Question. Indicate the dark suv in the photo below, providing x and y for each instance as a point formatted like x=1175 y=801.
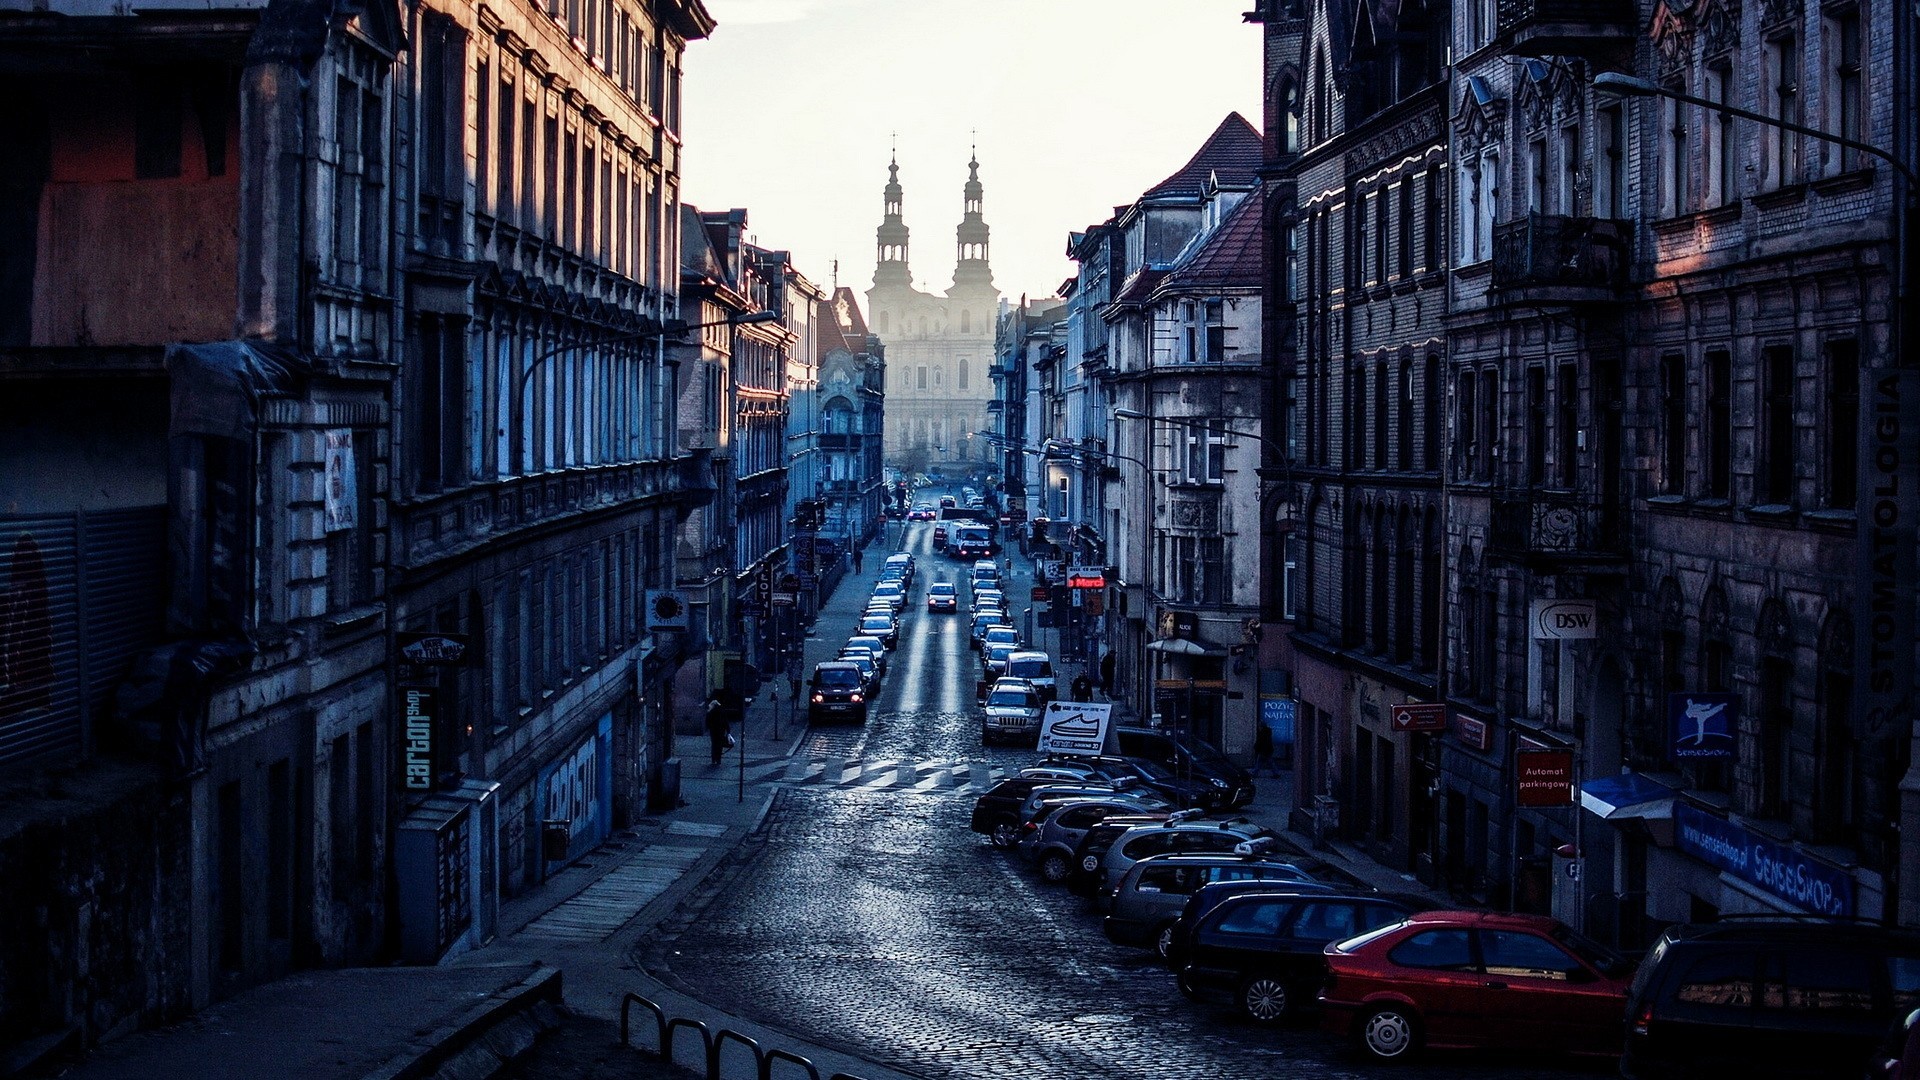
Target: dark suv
x=839 y=689
x=1768 y=997
x=1225 y=785
x=1261 y=950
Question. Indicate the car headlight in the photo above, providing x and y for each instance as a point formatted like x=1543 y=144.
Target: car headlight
x=818 y=698
x=1217 y=782
x=857 y=699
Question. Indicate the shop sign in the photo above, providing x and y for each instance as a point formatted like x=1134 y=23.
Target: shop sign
x=1774 y=868
x=417 y=738
x=1564 y=620
x=1418 y=716
x=1702 y=723
x=1072 y=727
x=1543 y=777
x=1884 y=586
x=1086 y=577
x=342 y=481
x=1471 y=731
x=432 y=650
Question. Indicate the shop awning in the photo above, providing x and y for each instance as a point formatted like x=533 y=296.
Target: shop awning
x=1631 y=797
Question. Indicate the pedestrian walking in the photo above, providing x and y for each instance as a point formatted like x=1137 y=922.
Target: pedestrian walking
x=1263 y=750
x=1106 y=675
x=1082 y=687
x=856 y=560
x=719 y=726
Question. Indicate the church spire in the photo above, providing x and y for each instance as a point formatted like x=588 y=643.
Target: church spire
x=971 y=272
x=890 y=263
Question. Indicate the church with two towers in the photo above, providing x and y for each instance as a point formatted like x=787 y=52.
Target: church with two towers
x=938 y=346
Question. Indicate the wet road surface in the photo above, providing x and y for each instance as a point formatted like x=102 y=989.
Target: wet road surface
x=872 y=919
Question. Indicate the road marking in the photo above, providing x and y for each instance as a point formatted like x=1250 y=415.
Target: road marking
x=603 y=907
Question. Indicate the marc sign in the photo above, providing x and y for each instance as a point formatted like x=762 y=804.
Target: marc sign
x=1774 y=868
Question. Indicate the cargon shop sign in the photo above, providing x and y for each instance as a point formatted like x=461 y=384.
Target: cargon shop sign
x=1773 y=868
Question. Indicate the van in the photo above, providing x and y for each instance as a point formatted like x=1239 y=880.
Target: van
x=1768 y=996
x=838 y=689
x=970 y=541
x=1037 y=668
x=1183 y=755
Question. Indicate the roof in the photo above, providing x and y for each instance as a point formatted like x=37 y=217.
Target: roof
x=1232 y=153
x=1231 y=256
x=1139 y=287
x=844 y=327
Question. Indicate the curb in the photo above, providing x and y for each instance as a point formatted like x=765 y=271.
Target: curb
x=451 y=1040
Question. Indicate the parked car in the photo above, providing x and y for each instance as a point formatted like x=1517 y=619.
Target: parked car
x=1052 y=843
x=1037 y=668
x=873 y=645
x=985 y=570
x=881 y=626
x=1187 y=756
x=1150 y=896
x=869 y=671
x=1463 y=979
x=983 y=621
x=994 y=662
x=901 y=560
x=1768 y=997
x=892 y=592
x=1263 y=951
x=837 y=690
x=997 y=812
x=948 y=500
x=1092 y=789
x=999 y=635
x=1186 y=832
x=943 y=596
x=1900 y=1056
x=1084 y=877
x=1011 y=712
x=986 y=598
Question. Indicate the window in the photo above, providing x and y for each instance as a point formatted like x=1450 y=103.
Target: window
x=1566 y=399
x=1490 y=432
x=157 y=128
x=963 y=368
x=1357 y=426
x=1430 y=254
x=1721 y=152
x=1848 y=104
x=1536 y=426
x=1537 y=176
x=1216 y=331
x=1404 y=441
x=1466 y=420
x=1776 y=737
x=1843 y=423
x=1677 y=174
x=1721 y=979
x=1773 y=475
x=1430 y=437
x=1783 y=74
x=1254 y=918
x=1569 y=170
x=1470 y=210
x=923 y=376
x=1610 y=173
x=1381 y=206
x=1290 y=267
x=1673 y=441
x=1291 y=557
x=1326 y=922
x=1214 y=588
x=1435 y=950
x=1380 y=414
x=1490 y=203
x=1360 y=270
x=1719 y=424
x=1506 y=952
x=1290 y=117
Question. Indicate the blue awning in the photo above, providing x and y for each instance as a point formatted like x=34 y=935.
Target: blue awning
x=1628 y=797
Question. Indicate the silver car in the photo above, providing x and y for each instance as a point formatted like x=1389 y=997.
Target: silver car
x=1188 y=834
x=1011 y=712
x=1149 y=899
x=1051 y=845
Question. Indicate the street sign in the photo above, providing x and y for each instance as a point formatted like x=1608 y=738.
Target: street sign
x=1419 y=716
x=1564 y=620
x=1039 y=593
x=1544 y=777
x=1086 y=577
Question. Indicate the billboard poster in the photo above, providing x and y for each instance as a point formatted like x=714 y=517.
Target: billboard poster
x=1075 y=727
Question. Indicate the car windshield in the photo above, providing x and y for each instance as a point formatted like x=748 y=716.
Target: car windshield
x=999 y=634
x=845 y=676
x=1206 y=754
x=887 y=588
x=941 y=588
x=998 y=652
x=876 y=622
x=1031 y=669
x=1010 y=698
x=871 y=644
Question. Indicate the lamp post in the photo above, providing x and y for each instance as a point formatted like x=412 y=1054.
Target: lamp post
x=665 y=330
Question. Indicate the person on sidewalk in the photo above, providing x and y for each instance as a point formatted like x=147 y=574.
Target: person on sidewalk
x=856 y=560
x=1263 y=750
x=720 y=717
x=1082 y=687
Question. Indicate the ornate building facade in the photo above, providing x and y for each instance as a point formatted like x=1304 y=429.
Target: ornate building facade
x=939 y=347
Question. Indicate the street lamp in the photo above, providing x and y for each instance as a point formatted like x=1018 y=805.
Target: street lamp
x=668 y=329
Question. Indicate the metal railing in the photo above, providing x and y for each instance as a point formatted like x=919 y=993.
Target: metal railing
x=711 y=1042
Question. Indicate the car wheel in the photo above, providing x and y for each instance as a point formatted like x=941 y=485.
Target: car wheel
x=1005 y=833
x=1163 y=941
x=1389 y=1034
x=1264 y=999
x=1055 y=867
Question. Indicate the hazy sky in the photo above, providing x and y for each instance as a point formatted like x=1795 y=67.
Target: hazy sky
x=1080 y=105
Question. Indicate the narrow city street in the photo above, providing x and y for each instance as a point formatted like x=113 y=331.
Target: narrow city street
x=872 y=919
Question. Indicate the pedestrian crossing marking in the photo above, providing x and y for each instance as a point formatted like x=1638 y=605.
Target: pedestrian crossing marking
x=900 y=774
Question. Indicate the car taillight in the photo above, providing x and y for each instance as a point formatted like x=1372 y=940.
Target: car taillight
x=1643 y=1021
x=1028 y=826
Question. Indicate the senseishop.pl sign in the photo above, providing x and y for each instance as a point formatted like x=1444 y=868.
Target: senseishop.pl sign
x=1773 y=868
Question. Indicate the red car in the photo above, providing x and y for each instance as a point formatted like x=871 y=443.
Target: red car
x=1456 y=979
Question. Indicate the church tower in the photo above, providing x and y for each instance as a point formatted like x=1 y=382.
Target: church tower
x=890 y=263
x=971 y=274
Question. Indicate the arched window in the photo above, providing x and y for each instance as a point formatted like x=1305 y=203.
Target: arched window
x=966 y=321
x=1289 y=115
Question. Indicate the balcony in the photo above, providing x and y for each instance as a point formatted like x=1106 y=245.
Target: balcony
x=1563 y=27
x=1548 y=259
x=840 y=440
x=1556 y=531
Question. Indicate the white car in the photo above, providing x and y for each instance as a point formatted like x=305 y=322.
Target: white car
x=943 y=596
